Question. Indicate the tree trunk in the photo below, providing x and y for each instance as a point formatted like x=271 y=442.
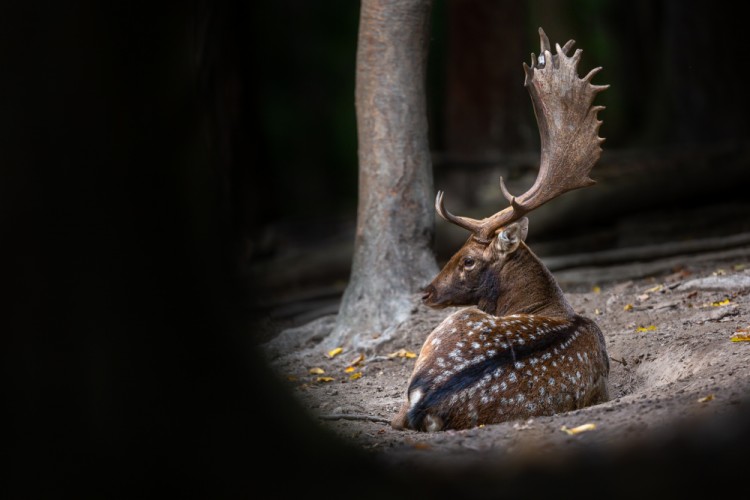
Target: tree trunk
x=393 y=255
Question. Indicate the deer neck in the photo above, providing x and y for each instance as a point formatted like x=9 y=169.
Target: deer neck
x=524 y=285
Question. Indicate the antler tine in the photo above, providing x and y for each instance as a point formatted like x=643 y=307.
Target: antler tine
x=543 y=41
x=465 y=222
x=511 y=199
x=568 y=45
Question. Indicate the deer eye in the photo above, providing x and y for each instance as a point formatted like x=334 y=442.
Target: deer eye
x=469 y=262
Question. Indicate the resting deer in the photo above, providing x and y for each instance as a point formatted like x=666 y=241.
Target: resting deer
x=522 y=351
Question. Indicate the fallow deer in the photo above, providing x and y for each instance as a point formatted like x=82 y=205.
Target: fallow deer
x=522 y=351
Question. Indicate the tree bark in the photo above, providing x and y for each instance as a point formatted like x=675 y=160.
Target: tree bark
x=393 y=255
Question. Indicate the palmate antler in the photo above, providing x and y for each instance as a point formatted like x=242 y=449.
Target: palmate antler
x=569 y=131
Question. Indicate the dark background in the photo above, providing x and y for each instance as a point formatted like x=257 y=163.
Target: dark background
x=150 y=153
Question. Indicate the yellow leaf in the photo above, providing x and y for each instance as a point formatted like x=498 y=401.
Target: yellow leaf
x=357 y=360
x=578 y=430
x=628 y=307
x=655 y=288
x=317 y=371
x=645 y=328
x=740 y=336
x=349 y=369
x=739 y=267
x=706 y=399
x=335 y=352
x=719 y=272
x=324 y=379
x=597 y=312
x=721 y=303
x=402 y=353
x=596 y=289
x=355 y=376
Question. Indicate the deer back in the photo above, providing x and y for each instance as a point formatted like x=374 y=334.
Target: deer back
x=476 y=368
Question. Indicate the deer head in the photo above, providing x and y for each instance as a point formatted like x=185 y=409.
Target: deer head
x=568 y=128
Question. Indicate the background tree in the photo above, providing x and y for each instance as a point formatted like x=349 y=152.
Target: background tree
x=393 y=255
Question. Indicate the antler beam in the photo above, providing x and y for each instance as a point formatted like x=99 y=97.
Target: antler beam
x=569 y=133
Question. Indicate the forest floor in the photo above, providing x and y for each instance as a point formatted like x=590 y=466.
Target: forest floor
x=673 y=363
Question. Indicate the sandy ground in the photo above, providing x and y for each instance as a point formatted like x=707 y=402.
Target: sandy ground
x=673 y=363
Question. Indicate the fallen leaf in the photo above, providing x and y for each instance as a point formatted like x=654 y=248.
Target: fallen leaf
x=719 y=272
x=645 y=328
x=324 y=379
x=597 y=312
x=335 y=352
x=739 y=267
x=642 y=297
x=721 y=303
x=317 y=371
x=578 y=430
x=402 y=353
x=656 y=288
x=422 y=446
x=706 y=399
x=628 y=307
x=741 y=336
x=349 y=369
x=355 y=376
x=291 y=378
x=357 y=360
x=596 y=289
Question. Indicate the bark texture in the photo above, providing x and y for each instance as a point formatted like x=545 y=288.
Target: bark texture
x=393 y=257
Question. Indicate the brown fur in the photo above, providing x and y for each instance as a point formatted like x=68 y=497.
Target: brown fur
x=522 y=352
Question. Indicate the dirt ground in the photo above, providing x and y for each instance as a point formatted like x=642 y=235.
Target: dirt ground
x=673 y=363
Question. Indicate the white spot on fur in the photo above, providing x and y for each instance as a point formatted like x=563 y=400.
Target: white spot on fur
x=519 y=365
x=475 y=345
x=512 y=377
x=414 y=397
x=551 y=381
x=433 y=423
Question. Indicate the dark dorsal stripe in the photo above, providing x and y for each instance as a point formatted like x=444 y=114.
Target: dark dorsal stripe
x=433 y=396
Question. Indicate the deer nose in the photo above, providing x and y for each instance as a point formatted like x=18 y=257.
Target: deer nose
x=427 y=293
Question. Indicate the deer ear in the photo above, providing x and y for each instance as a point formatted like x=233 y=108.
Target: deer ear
x=511 y=236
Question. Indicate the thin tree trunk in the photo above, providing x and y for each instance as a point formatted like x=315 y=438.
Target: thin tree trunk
x=393 y=255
